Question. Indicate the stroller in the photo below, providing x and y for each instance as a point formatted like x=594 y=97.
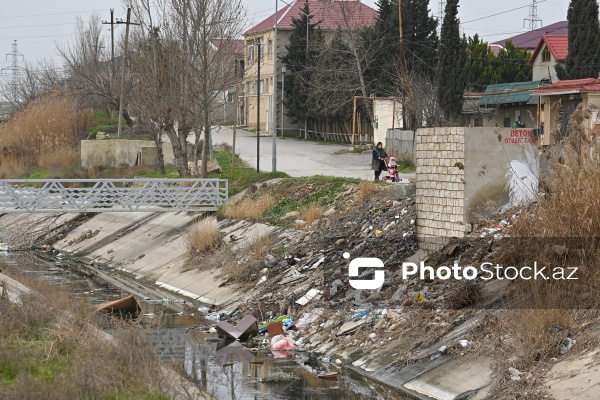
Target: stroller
x=392 y=169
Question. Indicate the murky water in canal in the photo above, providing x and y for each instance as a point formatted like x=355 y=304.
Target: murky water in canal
x=224 y=371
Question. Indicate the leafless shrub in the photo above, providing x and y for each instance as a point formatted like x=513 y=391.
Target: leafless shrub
x=204 y=236
x=250 y=208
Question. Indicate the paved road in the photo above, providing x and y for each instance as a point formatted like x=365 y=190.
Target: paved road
x=299 y=157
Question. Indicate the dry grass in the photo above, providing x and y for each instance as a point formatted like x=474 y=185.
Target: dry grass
x=250 y=208
x=261 y=246
x=310 y=214
x=366 y=191
x=203 y=237
x=43 y=135
x=51 y=348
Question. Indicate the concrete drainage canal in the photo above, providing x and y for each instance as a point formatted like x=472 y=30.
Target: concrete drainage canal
x=180 y=336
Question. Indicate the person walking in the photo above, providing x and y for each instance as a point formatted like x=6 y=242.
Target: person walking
x=378 y=162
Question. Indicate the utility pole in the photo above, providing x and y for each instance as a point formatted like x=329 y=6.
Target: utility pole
x=112 y=33
x=123 y=68
x=275 y=66
x=402 y=64
x=237 y=108
x=258 y=112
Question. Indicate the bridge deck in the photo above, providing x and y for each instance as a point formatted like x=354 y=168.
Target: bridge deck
x=111 y=195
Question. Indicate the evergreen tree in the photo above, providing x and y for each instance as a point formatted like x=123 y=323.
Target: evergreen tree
x=300 y=56
x=484 y=68
x=451 y=76
x=512 y=64
x=420 y=44
x=480 y=65
x=419 y=29
x=583 y=60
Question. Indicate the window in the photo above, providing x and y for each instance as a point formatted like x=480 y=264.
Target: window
x=546 y=55
x=477 y=122
x=251 y=86
x=506 y=122
x=250 y=46
x=261 y=43
x=270 y=49
x=261 y=86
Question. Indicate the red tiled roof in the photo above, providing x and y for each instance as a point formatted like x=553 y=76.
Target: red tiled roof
x=237 y=46
x=530 y=40
x=572 y=86
x=332 y=14
x=557 y=44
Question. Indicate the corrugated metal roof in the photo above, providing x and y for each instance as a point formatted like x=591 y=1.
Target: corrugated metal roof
x=572 y=86
x=509 y=93
x=332 y=14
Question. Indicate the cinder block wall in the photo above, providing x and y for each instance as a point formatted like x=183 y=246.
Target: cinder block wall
x=440 y=186
x=464 y=174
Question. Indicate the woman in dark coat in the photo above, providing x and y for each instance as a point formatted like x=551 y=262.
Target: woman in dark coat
x=378 y=162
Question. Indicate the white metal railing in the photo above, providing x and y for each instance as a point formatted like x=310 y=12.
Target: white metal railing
x=111 y=195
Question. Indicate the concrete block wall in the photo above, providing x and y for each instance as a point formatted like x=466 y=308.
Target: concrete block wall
x=440 y=186
x=464 y=174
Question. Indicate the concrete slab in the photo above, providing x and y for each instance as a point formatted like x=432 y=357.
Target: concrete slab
x=12 y=289
x=454 y=379
x=576 y=378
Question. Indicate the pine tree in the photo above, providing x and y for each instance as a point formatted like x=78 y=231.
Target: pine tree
x=512 y=64
x=300 y=56
x=583 y=60
x=451 y=76
x=480 y=68
x=420 y=37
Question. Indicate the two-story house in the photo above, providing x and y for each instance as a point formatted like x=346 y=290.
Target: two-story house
x=331 y=15
x=551 y=50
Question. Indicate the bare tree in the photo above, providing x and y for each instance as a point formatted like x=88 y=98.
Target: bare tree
x=190 y=66
x=93 y=76
x=30 y=83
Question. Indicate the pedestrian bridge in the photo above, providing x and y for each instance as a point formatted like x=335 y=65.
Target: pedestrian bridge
x=111 y=195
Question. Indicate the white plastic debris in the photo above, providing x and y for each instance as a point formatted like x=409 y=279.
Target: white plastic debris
x=214 y=317
x=311 y=294
x=212 y=330
x=373 y=336
x=567 y=345
x=261 y=280
x=204 y=310
x=338 y=361
x=515 y=374
x=465 y=343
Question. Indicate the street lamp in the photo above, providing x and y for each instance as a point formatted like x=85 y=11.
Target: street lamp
x=275 y=56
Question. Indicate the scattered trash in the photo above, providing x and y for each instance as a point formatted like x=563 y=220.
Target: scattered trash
x=331 y=376
x=300 y=222
x=334 y=287
x=392 y=203
x=242 y=331
x=435 y=356
x=275 y=329
x=373 y=337
x=204 y=310
x=311 y=294
x=283 y=345
x=567 y=345
x=149 y=315
x=125 y=306
x=214 y=317
x=261 y=280
x=554 y=328
x=515 y=374
x=465 y=343
x=419 y=298
x=212 y=329
x=377 y=233
x=338 y=361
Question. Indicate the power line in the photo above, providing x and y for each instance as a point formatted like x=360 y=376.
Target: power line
x=45 y=15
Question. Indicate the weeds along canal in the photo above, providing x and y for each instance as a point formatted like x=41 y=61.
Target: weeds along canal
x=179 y=336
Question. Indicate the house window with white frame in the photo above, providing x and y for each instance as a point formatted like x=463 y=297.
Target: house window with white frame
x=261 y=86
x=270 y=49
x=251 y=86
x=250 y=47
x=261 y=43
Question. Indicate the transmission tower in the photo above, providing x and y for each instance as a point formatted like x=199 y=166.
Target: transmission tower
x=533 y=17
x=441 y=12
x=14 y=69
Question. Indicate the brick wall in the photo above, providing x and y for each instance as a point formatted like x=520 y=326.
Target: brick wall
x=440 y=186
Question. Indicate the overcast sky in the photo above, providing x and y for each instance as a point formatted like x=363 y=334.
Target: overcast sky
x=38 y=25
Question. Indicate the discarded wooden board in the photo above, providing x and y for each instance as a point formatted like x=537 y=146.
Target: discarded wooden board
x=242 y=331
x=329 y=376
